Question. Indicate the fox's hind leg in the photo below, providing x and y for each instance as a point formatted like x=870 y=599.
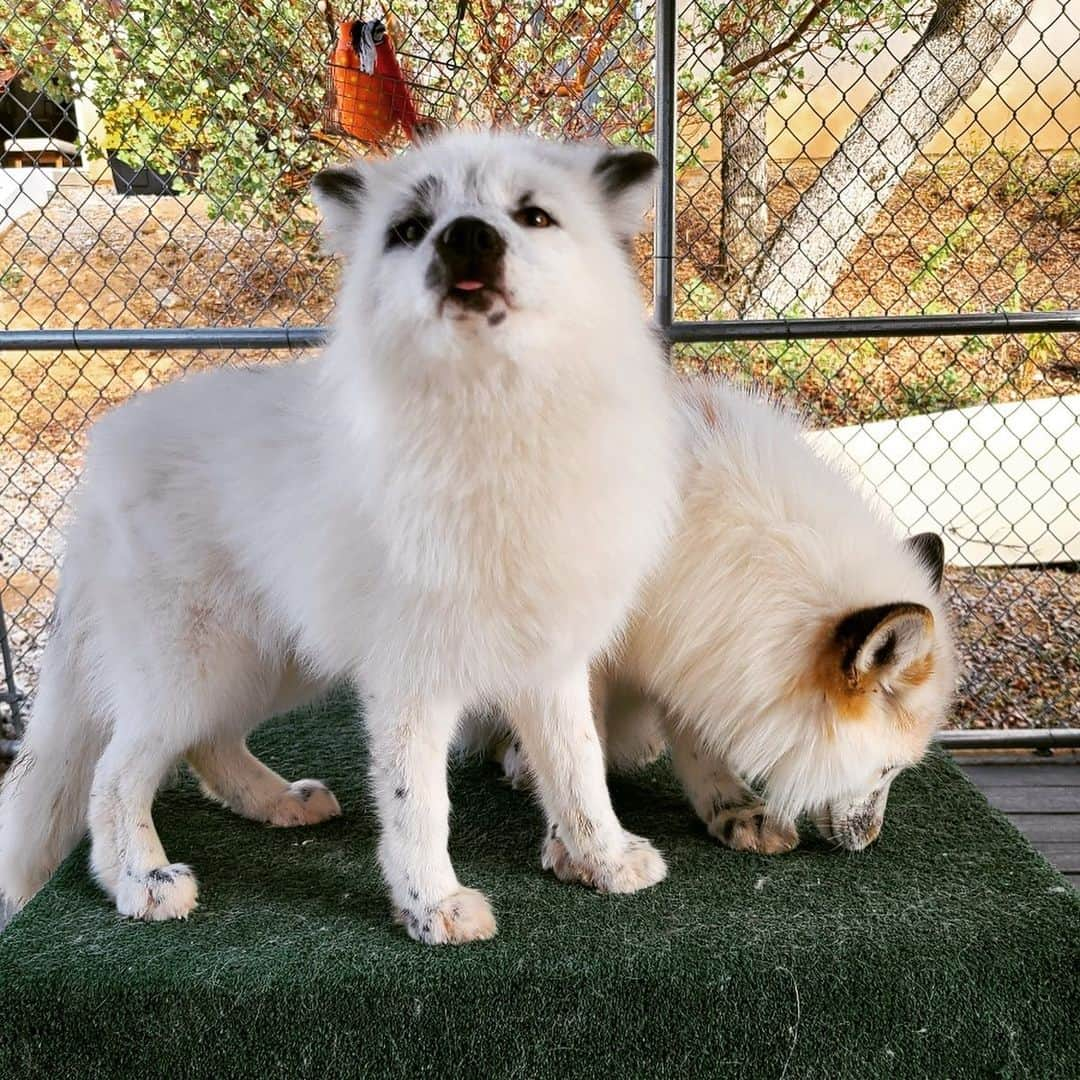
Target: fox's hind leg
x=126 y=853
x=232 y=774
x=732 y=812
x=178 y=690
x=628 y=721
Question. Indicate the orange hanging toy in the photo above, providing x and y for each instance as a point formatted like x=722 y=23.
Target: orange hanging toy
x=371 y=96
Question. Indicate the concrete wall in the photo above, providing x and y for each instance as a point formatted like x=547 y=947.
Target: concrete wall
x=25 y=190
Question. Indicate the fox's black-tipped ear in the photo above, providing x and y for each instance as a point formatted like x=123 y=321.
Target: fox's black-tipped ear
x=929 y=549
x=881 y=642
x=626 y=179
x=340 y=184
x=618 y=170
x=339 y=194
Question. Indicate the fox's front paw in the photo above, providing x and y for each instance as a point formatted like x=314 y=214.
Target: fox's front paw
x=166 y=892
x=462 y=916
x=749 y=828
x=637 y=866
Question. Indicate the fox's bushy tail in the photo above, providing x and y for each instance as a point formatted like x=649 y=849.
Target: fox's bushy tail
x=44 y=797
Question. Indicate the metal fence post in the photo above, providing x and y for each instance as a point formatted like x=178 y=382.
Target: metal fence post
x=665 y=127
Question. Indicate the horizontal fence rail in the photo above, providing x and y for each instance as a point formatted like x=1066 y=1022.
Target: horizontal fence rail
x=309 y=337
x=1007 y=739
x=875 y=326
x=211 y=338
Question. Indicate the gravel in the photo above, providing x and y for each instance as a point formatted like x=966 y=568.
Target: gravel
x=32 y=512
x=1018 y=631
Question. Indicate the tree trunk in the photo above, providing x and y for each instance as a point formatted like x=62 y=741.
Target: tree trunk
x=809 y=250
x=744 y=179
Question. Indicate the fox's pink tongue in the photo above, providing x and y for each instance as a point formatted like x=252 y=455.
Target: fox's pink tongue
x=468 y=286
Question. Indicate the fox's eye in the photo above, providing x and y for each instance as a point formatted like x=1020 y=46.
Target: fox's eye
x=532 y=217
x=408 y=233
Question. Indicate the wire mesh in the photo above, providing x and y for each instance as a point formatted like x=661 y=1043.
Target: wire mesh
x=843 y=159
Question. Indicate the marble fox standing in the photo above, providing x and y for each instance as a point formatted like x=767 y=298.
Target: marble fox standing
x=445 y=507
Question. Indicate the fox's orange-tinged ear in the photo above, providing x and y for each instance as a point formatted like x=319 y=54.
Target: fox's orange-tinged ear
x=881 y=643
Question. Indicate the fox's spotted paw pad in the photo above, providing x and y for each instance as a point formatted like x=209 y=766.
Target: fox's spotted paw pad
x=637 y=866
x=303 y=802
x=749 y=828
x=462 y=916
x=166 y=892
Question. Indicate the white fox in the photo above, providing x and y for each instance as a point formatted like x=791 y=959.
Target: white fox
x=446 y=507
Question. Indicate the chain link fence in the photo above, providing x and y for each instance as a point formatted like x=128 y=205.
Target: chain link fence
x=823 y=162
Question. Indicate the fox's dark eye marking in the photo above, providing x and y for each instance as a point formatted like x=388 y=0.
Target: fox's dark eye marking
x=534 y=217
x=408 y=233
x=427 y=192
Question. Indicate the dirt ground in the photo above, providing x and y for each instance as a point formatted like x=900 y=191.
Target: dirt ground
x=94 y=259
x=999 y=233
x=1002 y=233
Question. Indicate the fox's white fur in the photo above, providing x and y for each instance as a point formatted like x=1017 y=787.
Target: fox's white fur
x=445 y=507
x=789 y=637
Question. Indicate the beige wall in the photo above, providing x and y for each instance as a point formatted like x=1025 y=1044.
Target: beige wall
x=1032 y=95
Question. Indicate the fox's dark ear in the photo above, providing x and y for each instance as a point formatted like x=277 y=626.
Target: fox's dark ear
x=882 y=642
x=929 y=549
x=339 y=194
x=626 y=179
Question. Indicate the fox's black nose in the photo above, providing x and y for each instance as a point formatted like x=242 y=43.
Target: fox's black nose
x=469 y=237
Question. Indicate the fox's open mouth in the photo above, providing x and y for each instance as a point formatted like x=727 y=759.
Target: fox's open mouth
x=474 y=295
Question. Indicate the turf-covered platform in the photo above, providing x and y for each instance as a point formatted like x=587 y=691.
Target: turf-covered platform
x=949 y=949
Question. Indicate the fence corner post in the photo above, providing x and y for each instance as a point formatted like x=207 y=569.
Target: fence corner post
x=665 y=127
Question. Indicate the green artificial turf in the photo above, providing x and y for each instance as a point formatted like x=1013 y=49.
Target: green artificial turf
x=948 y=950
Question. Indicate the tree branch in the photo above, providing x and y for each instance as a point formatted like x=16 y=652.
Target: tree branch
x=773 y=51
